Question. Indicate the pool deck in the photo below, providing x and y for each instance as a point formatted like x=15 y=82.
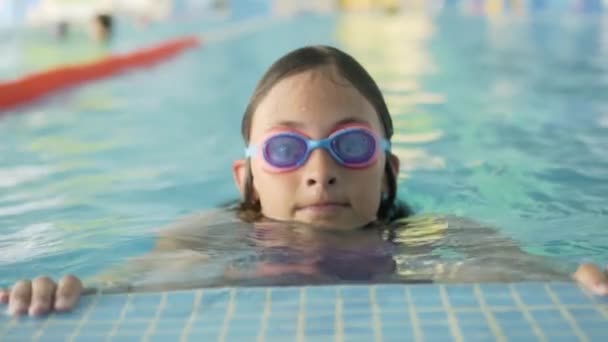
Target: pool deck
x=477 y=312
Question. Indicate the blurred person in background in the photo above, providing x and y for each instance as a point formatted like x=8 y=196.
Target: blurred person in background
x=102 y=27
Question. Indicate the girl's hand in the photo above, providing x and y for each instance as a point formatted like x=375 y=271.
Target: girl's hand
x=592 y=278
x=41 y=296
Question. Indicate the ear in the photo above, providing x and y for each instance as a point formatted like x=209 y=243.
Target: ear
x=239 y=173
x=393 y=163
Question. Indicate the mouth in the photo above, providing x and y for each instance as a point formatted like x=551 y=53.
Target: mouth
x=321 y=208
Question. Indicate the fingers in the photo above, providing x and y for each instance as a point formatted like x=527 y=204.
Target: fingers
x=4 y=294
x=19 y=298
x=43 y=292
x=591 y=277
x=68 y=292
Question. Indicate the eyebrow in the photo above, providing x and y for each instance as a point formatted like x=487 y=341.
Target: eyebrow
x=300 y=125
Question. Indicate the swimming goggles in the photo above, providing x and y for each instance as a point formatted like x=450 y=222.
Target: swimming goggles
x=353 y=146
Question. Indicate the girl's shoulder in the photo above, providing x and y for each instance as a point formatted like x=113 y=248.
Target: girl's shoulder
x=195 y=227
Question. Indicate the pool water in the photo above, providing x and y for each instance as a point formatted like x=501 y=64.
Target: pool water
x=501 y=127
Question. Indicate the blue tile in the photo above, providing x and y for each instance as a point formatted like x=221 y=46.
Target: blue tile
x=500 y=300
x=478 y=337
x=433 y=316
x=359 y=338
x=324 y=320
x=126 y=338
x=281 y=330
x=147 y=300
x=397 y=338
x=521 y=333
x=394 y=318
x=278 y=319
x=463 y=302
x=18 y=334
x=424 y=291
x=533 y=294
x=321 y=293
x=405 y=331
x=90 y=338
x=181 y=298
x=547 y=315
x=208 y=319
x=97 y=328
x=133 y=312
x=358 y=330
x=584 y=314
x=198 y=336
x=214 y=299
x=132 y=328
x=389 y=296
x=206 y=329
x=254 y=296
x=170 y=325
x=437 y=333
x=358 y=292
x=105 y=313
x=284 y=308
x=243 y=321
x=353 y=316
x=53 y=338
x=596 y=335
x=249 y=308
x=509 y=317
x=173 y=311
x=285 y=294
x=327 y=306
x=60 y=329
x=164 y=337
x=471 y=316
x=111 y=301
x=356 y=306
x=319 y=330
x=475 y=329
x=593 y=325
x=490 y=290
x=244 y=332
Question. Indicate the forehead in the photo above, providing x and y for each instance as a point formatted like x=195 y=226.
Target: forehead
x=313 y=101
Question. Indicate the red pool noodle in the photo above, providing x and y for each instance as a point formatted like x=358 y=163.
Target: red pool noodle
x=37 y=85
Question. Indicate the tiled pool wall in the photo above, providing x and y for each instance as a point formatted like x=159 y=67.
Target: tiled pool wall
x=477 y=312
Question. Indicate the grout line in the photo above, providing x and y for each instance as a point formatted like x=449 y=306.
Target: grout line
x=577 y=330
x=265 y=314
x=197 y=303
x=454 y=328
x=339 y=322
x=227 y=316
x=300 y=335
x=85 y=317
x=121 y=317
x=413 y=316
x=524 y=309
x=485 y=309
x=376 y=321
x=159 y=309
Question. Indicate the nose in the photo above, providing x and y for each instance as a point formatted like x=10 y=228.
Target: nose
x=321 y=169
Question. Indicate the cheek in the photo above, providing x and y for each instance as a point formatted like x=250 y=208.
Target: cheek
x=367 y=188
x=275 y=191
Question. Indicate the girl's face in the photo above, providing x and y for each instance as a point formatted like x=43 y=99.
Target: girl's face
x=321 y=192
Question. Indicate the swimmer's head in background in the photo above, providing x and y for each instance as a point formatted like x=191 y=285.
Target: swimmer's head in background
x=102 y=27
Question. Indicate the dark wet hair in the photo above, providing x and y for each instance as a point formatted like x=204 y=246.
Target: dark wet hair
x=107 y=22
x=308 y=58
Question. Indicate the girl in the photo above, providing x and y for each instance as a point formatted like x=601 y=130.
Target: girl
x=318 y=155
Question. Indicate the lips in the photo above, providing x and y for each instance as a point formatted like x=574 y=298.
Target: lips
x=323 y=207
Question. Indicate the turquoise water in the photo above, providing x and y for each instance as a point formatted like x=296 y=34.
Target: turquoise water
x=499 y=120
